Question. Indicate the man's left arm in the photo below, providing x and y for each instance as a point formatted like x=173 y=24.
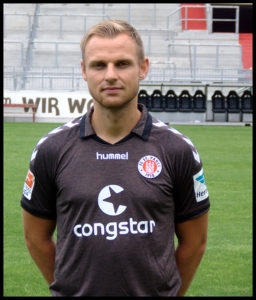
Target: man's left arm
x=192 y=238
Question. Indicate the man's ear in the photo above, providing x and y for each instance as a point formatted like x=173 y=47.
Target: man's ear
x=83 y=70
x=144 y=67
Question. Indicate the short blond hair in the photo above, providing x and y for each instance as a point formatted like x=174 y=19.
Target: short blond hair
x=110 y=29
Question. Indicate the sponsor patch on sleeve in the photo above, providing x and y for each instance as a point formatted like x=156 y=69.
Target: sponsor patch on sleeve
x=29 y=185
x=200 y=188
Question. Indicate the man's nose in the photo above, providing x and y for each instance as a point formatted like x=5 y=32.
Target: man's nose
x=110 y=74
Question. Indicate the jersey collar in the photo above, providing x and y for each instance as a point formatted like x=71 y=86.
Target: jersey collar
x=142 y=129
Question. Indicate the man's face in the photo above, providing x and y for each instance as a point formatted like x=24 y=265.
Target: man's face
x=112 y=70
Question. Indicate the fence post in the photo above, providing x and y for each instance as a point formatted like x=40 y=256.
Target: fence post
x=167 y=26
x=129 y=13
x=29 y=25
x=84 y=24
x=149 y=42
x=60 y=28
x=154 y=14
x=22 y=53
x=217 y=56
x=186 y=18
x=15 y=82
x=56 y=54
x=237 y=19
x=103 y=11
x=42 y=78
x=194 y=59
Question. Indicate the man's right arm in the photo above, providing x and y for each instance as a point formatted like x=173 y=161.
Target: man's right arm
x=38 y=233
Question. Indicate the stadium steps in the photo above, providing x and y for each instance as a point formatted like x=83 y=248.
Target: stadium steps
x=206 y=54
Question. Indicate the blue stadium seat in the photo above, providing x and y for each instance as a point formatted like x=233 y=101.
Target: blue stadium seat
x=185 y=102
x=171 y=101
x=199 y=101
x=157 y=101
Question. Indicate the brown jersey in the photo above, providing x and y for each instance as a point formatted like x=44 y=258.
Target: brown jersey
x=115 y=205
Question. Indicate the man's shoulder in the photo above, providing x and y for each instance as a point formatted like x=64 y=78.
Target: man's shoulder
x=58 y=137
x=169 y=137
x=166 y=131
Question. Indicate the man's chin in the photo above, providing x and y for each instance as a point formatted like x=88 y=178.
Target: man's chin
x=114 y=103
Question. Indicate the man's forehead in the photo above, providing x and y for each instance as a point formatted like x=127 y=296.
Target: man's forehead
x=121 y=40
x=121 y=46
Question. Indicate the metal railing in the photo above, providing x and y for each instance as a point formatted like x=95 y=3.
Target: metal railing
x=191 y=51
x=21 y=47
x=168 y=72
x=209 y=16
x=216 y=50
x=70 y=78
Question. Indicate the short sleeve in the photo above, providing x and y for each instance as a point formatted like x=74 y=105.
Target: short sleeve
x=190 y=193
x=39 y=192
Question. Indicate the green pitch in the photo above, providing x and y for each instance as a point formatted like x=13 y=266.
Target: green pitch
x=226 y=152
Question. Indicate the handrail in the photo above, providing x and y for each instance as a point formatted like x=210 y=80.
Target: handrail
x=33 y=106
x=207 y=19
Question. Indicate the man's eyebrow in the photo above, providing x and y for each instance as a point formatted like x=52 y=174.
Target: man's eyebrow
x=95 y=61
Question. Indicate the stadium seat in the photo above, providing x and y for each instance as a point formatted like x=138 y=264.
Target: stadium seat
x=185 y=101
x=199 y=101
x=219 y=106
x=246 y=102
x=246 y=106
x=171 y=101
x=233 y=107
x=144 y=98
x=157 y=101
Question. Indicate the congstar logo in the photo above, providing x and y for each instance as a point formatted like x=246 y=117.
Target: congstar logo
x=110 y=202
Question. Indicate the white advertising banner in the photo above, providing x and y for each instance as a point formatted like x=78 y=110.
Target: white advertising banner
x=54 y=106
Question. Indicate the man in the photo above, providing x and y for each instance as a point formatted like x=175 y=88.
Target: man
x=117 y=184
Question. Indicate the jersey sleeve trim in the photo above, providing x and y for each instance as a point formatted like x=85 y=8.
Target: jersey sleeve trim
x=193 y=215
x=37 y=213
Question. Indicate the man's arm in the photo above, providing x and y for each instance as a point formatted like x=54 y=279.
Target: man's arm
x=192 y=237
x=38 y=234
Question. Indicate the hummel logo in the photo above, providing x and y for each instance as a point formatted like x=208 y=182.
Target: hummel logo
x=112 y=156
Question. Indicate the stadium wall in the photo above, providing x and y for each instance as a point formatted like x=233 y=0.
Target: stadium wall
x=59 y=107
x=53 y=107
x=62 y=107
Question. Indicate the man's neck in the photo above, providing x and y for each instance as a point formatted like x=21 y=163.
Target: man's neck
x=112 y=125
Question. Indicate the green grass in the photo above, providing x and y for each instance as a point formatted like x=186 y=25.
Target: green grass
x=226 y=152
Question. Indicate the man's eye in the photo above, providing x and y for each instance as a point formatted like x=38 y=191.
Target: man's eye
x=123 y=64
x=98 y=65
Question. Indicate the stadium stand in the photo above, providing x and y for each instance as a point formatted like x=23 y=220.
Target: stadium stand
x=42 y=51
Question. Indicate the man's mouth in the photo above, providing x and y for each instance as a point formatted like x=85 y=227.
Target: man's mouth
x=112 y=89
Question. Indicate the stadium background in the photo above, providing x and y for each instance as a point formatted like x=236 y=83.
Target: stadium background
x=191 y=47
x=206 y=48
